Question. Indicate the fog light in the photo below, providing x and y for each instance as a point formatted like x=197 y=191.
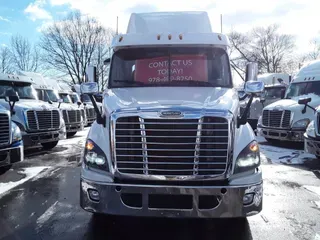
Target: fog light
x=94 y=195
x=248 y=198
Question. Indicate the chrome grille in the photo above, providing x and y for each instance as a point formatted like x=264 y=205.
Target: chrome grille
x=43 y=120
x=90 y=113
x=276 y=119
x=4 y=129
x=72 y=116
x=172 y=147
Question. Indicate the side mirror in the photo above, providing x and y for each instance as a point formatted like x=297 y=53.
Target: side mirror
x=79 y=103
x=91 y=74
x=254 y=87
x=263 y=97
x=89 y=88
x=49 y=101
x=251 y=71
x=60 y=100
x=84 y=104
x=304 y=101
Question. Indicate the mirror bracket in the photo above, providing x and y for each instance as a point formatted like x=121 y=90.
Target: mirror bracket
x=243 y=119
x=100 y=119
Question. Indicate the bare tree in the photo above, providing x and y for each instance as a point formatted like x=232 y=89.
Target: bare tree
x=70 y=45
x=314 y=54
x=24 y=56
x=263 y=45
x=6 y=65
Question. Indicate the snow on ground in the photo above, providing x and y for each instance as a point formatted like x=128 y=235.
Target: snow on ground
x=29 y=173
x=282 y=155
x=46 y=215
x=314 y=189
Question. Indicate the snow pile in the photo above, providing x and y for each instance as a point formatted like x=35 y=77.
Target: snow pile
x=29 y=172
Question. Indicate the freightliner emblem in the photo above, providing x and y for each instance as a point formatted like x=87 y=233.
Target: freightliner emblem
x=169 y=114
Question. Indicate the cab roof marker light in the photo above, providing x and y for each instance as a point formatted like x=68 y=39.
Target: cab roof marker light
x=120 y=38
x=158 y=37
x=219 y=37
x=169 y=36
x=180 y=36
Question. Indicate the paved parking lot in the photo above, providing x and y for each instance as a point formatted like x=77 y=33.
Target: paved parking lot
x=39 y=199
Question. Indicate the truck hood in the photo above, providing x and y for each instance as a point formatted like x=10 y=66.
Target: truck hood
x=193 y=97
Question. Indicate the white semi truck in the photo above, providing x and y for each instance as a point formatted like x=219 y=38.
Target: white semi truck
x=39 y=122
x=275 y=88
x=168 y=141
x=287 y=120
x=71 y=114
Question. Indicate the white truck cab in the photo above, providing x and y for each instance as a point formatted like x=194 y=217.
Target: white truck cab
x=39 y=122
x=85 y=99
x=274 y=90
x=286 y=119
x=168 y=141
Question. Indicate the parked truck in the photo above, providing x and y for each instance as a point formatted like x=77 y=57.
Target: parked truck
x=39 y=122
x=47 y=93
x=11 y=144
x=275 y=88
x=84 y=98
x=287 y=120
x=168 y=141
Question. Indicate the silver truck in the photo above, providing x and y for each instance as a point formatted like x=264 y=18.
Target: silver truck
x=11 y=144
x=39 y=122
x=169 y=141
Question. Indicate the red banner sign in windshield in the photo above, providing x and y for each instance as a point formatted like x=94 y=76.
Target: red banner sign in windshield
x=182 y=68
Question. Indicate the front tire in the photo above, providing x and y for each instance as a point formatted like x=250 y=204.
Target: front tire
x=49 y=145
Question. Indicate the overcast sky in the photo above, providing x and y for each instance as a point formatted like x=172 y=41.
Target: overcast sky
x=298 y=17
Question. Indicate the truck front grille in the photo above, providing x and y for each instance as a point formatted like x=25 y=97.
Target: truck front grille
x=72 y=116
x=43 y=120
x=172 y=147
x=91 y=114
x=276 y=119
x=4 y=129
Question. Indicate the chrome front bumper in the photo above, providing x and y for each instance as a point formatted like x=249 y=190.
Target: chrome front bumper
x=11 y=154
x=30 y=139
x=312 y=145
x=279 y=134
x=149 y=200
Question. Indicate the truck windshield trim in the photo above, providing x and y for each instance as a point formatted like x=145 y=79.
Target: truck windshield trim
x=303 y=88
x=184 y=66
x=24 y=90
x=50 y=95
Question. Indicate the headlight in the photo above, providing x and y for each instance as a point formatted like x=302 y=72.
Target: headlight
x=301 y=124
x=94 y=157
x=16 y=133
x=249 y=158
x=311 y=129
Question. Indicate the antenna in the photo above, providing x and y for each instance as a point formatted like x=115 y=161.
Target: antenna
x=117 y=25
x=221 y=22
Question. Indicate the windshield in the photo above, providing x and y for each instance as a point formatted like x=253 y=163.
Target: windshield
x=51 y=95
x=75 y=98
x=85 y=98
x=66 y=98
x=24 y=90
x=275 y=92
x=303 y=88
x=187 y=66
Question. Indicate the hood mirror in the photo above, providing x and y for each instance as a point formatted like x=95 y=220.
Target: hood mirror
x=12 y=97
x=305 y=101
x=79 y=103
x=251 y=71
x=254 y=87
x=60 y=100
